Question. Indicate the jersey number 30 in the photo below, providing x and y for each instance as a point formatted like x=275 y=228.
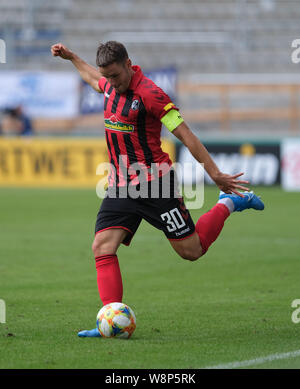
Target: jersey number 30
x=173 y=219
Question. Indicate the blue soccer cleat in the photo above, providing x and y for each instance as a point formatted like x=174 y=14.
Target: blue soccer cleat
x=94 y=333
x=250 y=200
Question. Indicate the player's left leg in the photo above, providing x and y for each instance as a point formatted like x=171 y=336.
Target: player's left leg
x=189 y=248
x=207 y=229
x=170 y=215
x=210 y=224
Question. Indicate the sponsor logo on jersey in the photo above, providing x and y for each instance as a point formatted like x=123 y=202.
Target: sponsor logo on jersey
x=114 y=124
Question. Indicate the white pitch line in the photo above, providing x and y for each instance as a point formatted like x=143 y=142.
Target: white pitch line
x=256 y=361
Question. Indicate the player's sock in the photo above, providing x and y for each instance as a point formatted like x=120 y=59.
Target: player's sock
x=228 y=202
x=209 y=226
x=110 y=286
x=109 y=279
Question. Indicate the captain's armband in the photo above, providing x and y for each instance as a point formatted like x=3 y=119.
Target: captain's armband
x=172 y=119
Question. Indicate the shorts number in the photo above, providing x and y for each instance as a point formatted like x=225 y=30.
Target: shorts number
x=174 y=220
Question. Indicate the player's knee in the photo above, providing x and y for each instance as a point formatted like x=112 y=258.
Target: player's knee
x=191 y=255
x=102 y=246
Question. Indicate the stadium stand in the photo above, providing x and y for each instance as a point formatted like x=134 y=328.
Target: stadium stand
x=29 y=27
x=197 y=36
x=201 y=38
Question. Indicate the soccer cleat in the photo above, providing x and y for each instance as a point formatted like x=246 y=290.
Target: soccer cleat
x=94 y=333
x=250 y=200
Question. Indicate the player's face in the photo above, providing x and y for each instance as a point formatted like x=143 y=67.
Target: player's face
x=118 y=75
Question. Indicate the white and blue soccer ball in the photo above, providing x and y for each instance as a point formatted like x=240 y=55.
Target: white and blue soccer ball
x=116 y=320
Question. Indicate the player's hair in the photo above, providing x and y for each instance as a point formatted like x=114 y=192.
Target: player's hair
x=110 y=52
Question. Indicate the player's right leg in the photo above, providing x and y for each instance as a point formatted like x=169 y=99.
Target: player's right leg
x=108 y=241
x=109 y=279
x=116 y=223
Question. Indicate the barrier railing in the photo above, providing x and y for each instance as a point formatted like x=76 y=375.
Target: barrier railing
x=240 y=102
x=226 y=113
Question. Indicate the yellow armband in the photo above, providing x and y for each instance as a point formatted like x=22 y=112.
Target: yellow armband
x=172 y=120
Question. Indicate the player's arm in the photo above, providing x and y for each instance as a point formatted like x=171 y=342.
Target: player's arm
x=227 y=183
x=87 y=72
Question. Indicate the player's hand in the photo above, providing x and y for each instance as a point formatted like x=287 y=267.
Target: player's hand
x=230 y=184
x=59 y=50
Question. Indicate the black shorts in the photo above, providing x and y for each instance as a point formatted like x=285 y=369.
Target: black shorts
x=167 y=214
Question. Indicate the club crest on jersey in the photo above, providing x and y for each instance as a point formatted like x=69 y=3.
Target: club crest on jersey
x=135 y=104
x=113 y=123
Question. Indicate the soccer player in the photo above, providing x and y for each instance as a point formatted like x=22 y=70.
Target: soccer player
x=134 y=110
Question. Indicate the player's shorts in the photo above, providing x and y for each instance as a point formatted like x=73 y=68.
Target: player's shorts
x=167 y=214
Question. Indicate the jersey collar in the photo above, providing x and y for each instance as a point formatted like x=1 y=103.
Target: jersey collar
x=136 y=78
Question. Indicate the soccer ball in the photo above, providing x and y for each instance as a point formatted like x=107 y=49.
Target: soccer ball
x=116 y=320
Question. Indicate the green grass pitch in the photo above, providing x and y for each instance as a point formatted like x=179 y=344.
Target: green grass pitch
x=232 y=305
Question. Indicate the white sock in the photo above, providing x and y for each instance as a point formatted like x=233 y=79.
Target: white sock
x=228 y=203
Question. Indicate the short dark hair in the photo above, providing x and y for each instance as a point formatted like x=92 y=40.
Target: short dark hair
x=110 y=52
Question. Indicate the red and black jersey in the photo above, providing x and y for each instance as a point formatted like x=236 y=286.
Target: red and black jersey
x=133 y=127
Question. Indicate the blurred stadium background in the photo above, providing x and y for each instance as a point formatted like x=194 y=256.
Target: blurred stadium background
x=226 y=64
